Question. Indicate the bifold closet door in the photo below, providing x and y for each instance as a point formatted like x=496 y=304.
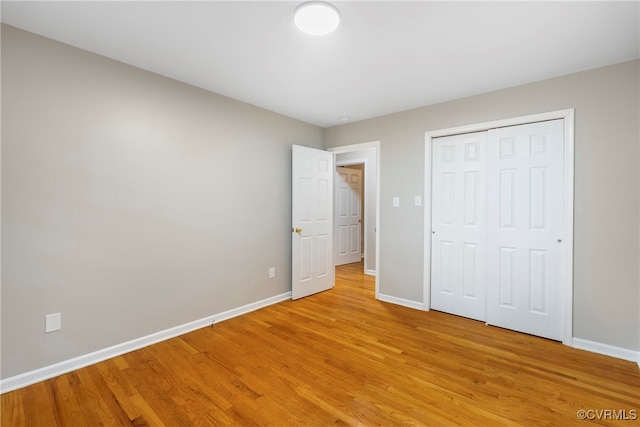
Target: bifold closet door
x=459 y=225
x=497 y=224
x=525 y=228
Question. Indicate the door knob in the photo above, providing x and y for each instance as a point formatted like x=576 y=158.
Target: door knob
x=297 y=230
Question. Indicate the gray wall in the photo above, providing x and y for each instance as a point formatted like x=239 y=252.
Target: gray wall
x=131 y=203
x=606 y=275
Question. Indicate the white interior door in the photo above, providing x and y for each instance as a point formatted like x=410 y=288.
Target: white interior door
x=348 y=216
x=526 y=232
x=459 y=225
x=312 y=267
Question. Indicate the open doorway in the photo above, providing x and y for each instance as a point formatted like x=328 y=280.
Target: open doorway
x=366 y=157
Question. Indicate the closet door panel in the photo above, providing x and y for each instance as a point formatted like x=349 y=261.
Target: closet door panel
x=459 y=225
x=525 y=226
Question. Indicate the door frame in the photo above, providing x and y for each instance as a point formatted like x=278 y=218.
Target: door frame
x=354 y=148
x=568 y=189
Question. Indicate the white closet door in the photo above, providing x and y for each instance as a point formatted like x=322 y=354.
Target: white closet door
x=459 y=225
x=525 y=228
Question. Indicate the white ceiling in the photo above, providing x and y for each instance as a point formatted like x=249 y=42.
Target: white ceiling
x=386 y=56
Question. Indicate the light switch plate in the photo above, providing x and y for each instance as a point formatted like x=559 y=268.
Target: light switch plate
x=417 y=200
x=52 y=322
x=396 y=202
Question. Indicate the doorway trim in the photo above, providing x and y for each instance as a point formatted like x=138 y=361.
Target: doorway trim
x=354 y=148
x=568 y=187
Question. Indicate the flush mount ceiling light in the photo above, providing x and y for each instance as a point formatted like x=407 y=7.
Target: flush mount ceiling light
x=316 y=18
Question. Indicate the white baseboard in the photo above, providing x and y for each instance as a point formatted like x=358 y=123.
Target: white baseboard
x=607 y=350
x=582 y=344
x=369 y=272
x=401 y=301
x=51 y=371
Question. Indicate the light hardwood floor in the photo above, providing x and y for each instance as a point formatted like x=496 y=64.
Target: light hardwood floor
x=339 y=358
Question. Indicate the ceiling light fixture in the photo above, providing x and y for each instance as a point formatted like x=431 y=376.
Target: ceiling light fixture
x=316 y=18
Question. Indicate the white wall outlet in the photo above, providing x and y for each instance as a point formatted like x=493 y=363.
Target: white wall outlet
x=272 y=272
x=396 y=202
x=52 y=323
x=417 y=200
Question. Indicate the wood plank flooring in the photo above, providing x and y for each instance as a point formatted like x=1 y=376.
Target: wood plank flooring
x=339 y=358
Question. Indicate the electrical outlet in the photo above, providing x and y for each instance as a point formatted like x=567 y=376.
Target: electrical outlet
x=52 y=323
x=272 y=272
x=417 y=200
